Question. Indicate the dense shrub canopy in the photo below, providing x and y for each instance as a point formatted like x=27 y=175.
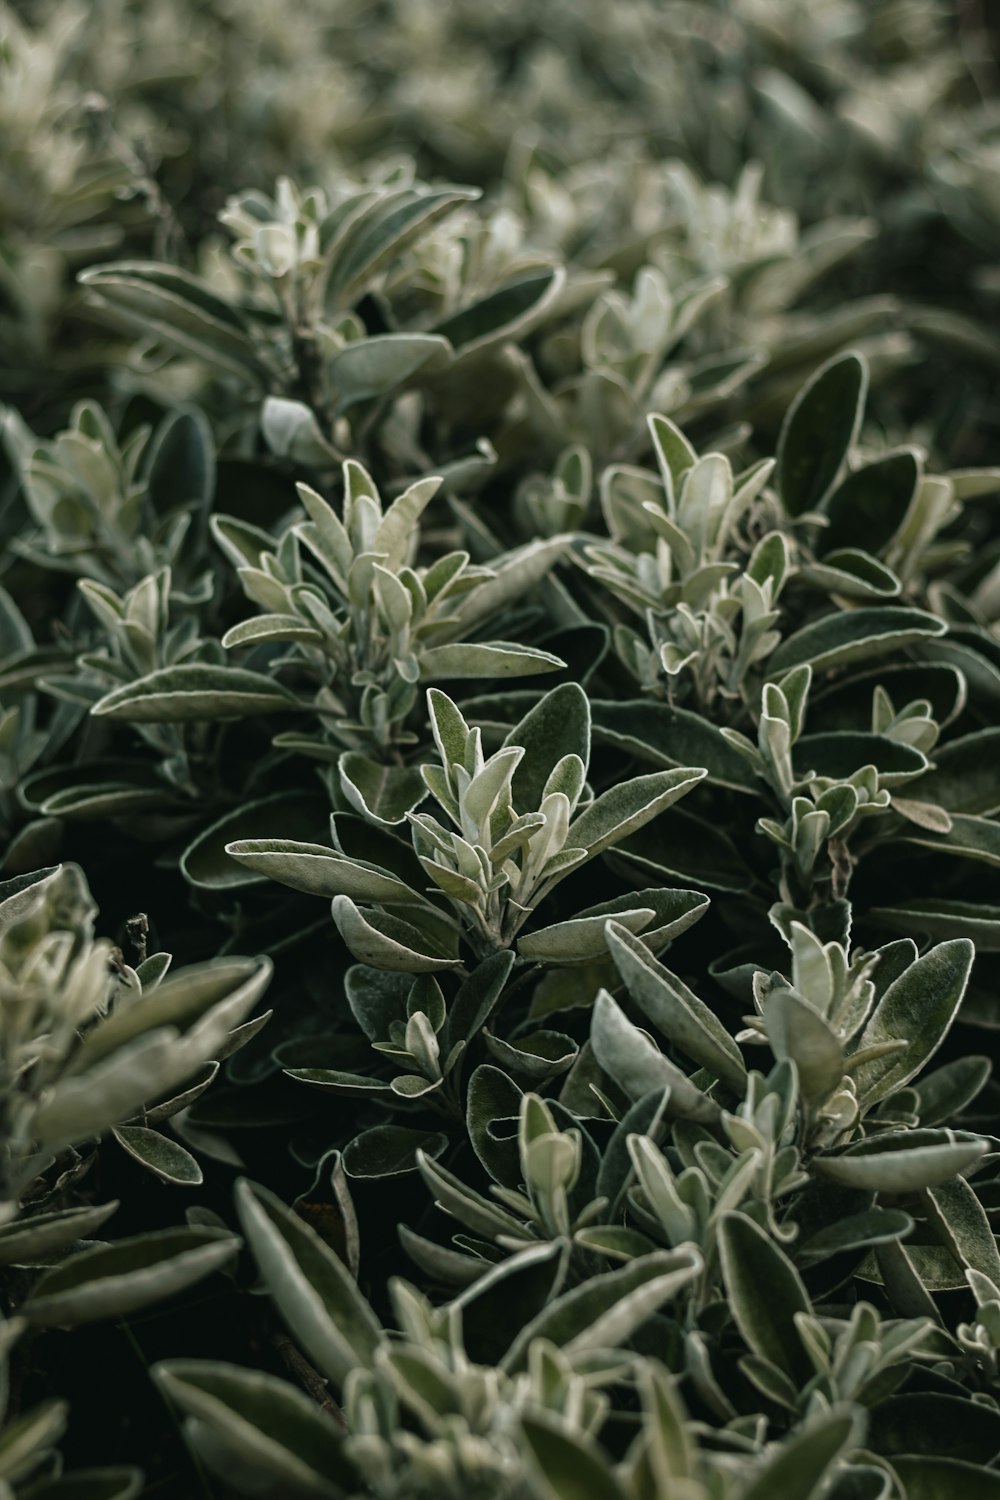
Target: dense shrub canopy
x=499 y=777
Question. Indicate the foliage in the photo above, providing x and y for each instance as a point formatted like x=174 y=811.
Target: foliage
x=527 y=484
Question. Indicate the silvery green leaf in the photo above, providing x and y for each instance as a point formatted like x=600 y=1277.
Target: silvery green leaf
x=450 y=1268
x=802 y=1466
x=902 y=1161
x=509 y=1295
x=194 y=692
x=383 y=794
x=263 y=629
x=967 y=837
x=389 y=224
x=314 y=1291
x=291 y=431
x=493 y=1107
x=476 y=999
x=628 y=1056
x=180 y=311
x=852 y=574
x=965 y=776
x=662 y=735
x=627 y=807
x=818 y=432
x=515 y=573
x=675 y=1010
x=557 y=726
x=930 y=1477
x=390 y=1150
x=945 y=1093
x=795 y=1030
x=113 y=1281
x=167 y=1159
x=918 y=1008
x=605 y=1311
x=580 y=939
x=853 y=635
x=960 y=1220
x=262 y=1430
x=481 y=1215
x=28 y=1437
x=205 y=863
x=503 y=315
x=43 y=1233
x=485 y=659
x=320 y=870
x=565 y=1464
x=537 y=1057
x=765 y=1292
x=872 y=1226
x=387 y=942
x=374 y=366
x=871 y=503
x=205 y=1000
x=939 y=916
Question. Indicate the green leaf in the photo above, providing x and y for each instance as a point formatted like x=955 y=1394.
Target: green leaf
x=392 y=222
x=319 y=871
x=628 y=1056
x=629 y=806
x=663 y=736
x=509 y=1295
x=872 y=1226
x=484 y=659
x=264 y=1430
x=928 y=1477
x=113 y=1281
x=918 y=1008
x=160 y=1155
x=314 y=1291
x=902 y=1161
x=870 y=504
x=580 y=939
x=180 y=311
x=967 y=838
x=476 y=999
x=765 y=1292
x=390 y=1150
x=374 y=366
x=566 y=1464
x=265 y=629
x=504 y=314
x=795 y=1030
x=40 y=1235
x=965 y=777
x=945 y=1093
x=680 y=846
x=558 y=725
x=606 y=1310
x=802 y=1466
x=287 y=815
x=937 y=916
x=387 y=942
x=382 y=794
x=195 y=692
x=494 y=1099
x=850 y=573
x=853 y=635
x=838 y=754
x=959 y=1219
x=818 y=432
x=676 y=1011
x=939 y=1425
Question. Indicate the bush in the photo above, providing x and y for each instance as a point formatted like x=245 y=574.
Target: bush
x=499 y=557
